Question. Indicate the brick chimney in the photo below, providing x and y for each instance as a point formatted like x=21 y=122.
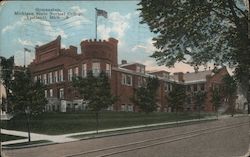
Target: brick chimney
x=124 y=62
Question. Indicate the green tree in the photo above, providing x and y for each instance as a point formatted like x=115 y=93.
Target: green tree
x=26 y=93
x=96 y=91
x=27 y=96
x=230 y=89
x=7 y=73
x=177 y=97
x=199 y=100
x=145 y=96
x=197 y=32
x=216 y=99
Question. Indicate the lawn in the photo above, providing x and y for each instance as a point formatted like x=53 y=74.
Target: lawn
x=62 y=123
x=5 y=137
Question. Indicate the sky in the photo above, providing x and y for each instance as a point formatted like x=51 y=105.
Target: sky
x=75 y=23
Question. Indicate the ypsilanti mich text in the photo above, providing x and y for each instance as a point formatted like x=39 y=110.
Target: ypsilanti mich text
x=46 y=13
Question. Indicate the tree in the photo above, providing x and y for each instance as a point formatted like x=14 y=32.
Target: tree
x=96 y=91
x=199 y=100
x=177 y=97
x=145 y=96
x=7 y=73
x=197 y=32
x=27 y=96
x=230 y=88
x=216 y=99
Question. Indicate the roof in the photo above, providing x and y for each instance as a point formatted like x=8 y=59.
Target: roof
x=133 y=63
x=194 y=77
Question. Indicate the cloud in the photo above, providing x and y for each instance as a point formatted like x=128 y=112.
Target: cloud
x=148 y=47
x=117 y=25
x=47 y=28
x=14 y=25
x=77 y=9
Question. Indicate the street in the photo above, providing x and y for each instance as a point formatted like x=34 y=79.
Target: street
x=226 y=137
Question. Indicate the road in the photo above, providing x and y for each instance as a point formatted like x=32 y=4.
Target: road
x=227 y=137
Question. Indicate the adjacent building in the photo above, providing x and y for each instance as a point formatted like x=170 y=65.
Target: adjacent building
x=56 y=66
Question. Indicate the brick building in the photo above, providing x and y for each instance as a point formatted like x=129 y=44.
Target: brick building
x=55 y=67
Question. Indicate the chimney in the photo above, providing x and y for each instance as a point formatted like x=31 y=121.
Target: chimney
x=124 y=62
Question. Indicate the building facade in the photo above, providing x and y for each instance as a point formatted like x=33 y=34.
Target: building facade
x=56 y=67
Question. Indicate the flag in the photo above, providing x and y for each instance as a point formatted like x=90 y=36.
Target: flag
x=28 y=50
x=101 y=13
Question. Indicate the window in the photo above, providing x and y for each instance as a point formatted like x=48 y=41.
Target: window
x=126 y=79
x=51 y=93
x=70 y=74
x=50 y=78
x=166 y=87
x=195 y=87
x=61 y=93
x=140 y=81
x=202 y=87
x=138 y=69
x=76 y=71
x=40 y=78
x=45 y=78
x=170 y=87
x=123 y=107
x=45 y=94
x=35 y=79
x=55 y=77
x=61 y=75
x=108 y=69
x=130 y=108
x=84 y=70
x=96 y=69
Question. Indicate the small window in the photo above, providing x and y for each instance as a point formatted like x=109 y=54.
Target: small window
x=127 y=79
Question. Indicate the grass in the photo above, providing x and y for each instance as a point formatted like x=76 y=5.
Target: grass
x=28 y=143
x=62 y=123
x=5 y=137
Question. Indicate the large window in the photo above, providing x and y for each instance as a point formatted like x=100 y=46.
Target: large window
x=127 y=79
x=50 y=78
x=45 y=78
x=70 y=74
x=55 y=77
x=76 y=71
x=45 y=93
x=61 y=75
x=51 y=93
x=61 y=93
x=84 y=70
x=96 y=69
x=108 y=69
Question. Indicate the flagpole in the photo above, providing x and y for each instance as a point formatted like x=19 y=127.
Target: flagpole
x=24 y=58
x=95 y=23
